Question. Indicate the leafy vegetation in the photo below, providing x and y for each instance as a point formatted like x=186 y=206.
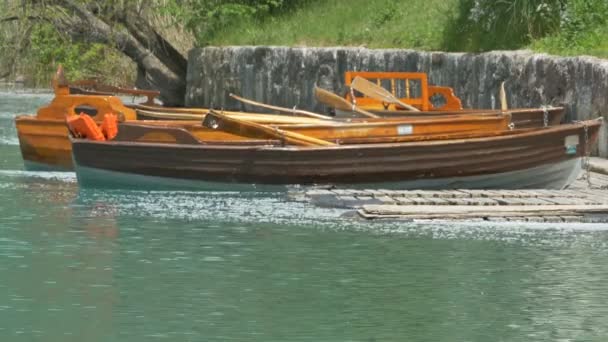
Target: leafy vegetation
x=583 y=30
x=80 y=60
x=481 y=25
x=34 y=48
x=208 y=18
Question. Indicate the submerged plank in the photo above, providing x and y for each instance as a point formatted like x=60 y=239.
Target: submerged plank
x=426 y=211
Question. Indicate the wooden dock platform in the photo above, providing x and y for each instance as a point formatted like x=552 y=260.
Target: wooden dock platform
x=582 y=202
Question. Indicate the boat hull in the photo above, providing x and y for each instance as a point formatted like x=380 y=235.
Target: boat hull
x=547 y=158
x=552 y=176
x=44 y=144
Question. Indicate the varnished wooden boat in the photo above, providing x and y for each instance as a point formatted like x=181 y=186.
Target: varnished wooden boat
x=413 y=89
x=529 y=158
x=44 y=137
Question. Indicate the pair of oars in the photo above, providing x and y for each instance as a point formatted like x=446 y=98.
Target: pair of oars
x=219 y=121
x=377 y=92
x=365 y=87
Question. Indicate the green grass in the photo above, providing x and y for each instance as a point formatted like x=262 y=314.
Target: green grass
x=592 y=43
x=414 y=24
x=376 y=24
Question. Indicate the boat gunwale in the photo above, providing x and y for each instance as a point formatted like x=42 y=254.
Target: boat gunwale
x=528 y=133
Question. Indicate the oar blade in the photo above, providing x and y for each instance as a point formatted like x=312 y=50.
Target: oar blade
x=377 y=92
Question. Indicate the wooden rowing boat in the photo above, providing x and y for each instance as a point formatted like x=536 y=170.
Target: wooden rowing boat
x=530 y=158
x=44 y=137
x=413 y=89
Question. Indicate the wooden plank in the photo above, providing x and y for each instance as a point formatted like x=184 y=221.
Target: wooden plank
x=510 y=201
x=494 y=194
x=484 y=211
x=482 y=201
x=439 y=201
x=479 y=193
x=512 y=193
x=535 y=219
x=386 y=199
x=497 y=219
x=595 y=218
x=600 y=196
x=458 y=201
x=571 y=219
x=553 y=219
x=404 y=193
x=516 y=219
x=536 y=201
x=387 y=192
x=356 y=192
x=375 y=193
x=446 y=194
x=465 y=193
x=566 y=200
x=418 y=193
x=422 y=201
x=545 y=193
x=404 y=201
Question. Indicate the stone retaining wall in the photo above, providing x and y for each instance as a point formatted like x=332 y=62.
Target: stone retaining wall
x=286 y=76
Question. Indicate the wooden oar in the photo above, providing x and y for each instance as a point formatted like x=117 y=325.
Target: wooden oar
x=254 y=117
x=340 y=103
x=218 y=121
x=169 y=116
x=375 y=91
x=503 y=97
x=280 y=109
x=177 y=110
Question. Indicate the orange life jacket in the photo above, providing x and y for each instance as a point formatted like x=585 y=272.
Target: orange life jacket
x=109 y=126
x=84 y=126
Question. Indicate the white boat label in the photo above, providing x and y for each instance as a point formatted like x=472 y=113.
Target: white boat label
x=571 y=143
x=405 y=129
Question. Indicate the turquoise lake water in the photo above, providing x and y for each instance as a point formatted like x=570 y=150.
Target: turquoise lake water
x=84 y=265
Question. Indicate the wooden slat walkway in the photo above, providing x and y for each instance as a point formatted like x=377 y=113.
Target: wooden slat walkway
x=580 y=203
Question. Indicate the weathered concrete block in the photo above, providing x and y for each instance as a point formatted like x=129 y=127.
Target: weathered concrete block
x=285 y=76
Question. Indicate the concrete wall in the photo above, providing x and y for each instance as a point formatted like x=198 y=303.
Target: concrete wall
x=286 y=76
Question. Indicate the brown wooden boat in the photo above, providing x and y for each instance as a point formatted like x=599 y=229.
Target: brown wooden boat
x=529 y=158
x=413 y=89
x=44 y=137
